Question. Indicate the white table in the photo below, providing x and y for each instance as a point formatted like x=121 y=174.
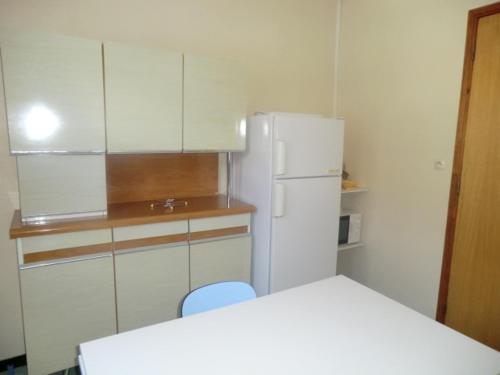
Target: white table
x=334 y=326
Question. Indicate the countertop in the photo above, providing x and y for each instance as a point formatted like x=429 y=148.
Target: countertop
x=134 y=213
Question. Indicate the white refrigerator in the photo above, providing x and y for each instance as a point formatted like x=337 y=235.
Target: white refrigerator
x=291 y=171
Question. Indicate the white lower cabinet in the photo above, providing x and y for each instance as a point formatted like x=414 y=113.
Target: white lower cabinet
x=150 y=285
x=73 y=300
x=65 y=303
x=227 y=259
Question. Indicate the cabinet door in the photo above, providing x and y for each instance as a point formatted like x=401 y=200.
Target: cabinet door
x=220 y=260
x=143 y=99
x=54 y=93
x=150 y=285
x=61 y=184
x=214 y=104
x=64 y=304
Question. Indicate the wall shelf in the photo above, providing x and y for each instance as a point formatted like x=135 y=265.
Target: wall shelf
x=350 y=246
x=354 y=190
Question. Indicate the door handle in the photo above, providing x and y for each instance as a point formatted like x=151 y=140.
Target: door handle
x=65 y=260
x=278 y=200
x=279 y=166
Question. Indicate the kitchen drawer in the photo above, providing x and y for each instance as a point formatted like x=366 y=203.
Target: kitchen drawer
x=219 y=222
x=220 y=260
x=222 y=226
x=64 y=240
x=136 y=236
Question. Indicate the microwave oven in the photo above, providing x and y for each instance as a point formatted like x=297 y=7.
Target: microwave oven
x=349 y=227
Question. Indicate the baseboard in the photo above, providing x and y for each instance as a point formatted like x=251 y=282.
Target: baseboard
x=14 y=361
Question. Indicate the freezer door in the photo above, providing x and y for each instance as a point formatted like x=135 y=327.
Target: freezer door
x=307 y=146
x=304 y=231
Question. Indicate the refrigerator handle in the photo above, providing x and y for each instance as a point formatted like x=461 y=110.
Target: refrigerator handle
x=278 y=200
x=280 y=157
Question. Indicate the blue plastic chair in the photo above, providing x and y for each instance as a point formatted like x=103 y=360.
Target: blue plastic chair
x=217 y=295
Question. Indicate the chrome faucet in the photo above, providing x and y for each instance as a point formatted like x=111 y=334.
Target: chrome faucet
x=169 y=203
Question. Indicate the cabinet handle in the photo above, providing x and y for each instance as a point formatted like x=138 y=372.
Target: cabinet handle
x=279 y=158
x=334 y=171
x=278 y=200
x=64 y=261
x=143 y=249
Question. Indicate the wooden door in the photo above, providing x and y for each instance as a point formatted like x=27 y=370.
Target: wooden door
x=470 y=298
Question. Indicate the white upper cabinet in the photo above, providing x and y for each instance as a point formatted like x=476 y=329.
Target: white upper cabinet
x=143 y=99
x=155 y=100
x=54 y=93
x=214 y=104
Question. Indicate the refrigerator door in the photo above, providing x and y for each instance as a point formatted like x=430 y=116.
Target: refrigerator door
x=307 y=146
x=304 y=231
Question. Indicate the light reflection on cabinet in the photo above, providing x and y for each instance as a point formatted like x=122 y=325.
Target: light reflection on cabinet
x=54 y=93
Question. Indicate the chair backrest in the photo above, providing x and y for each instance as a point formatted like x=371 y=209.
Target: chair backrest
x=216 y=295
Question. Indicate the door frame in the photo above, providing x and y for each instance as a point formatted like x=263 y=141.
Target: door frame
x=470 y=46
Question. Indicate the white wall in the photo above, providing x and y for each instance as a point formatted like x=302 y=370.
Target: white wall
x=288 y=46
x=400 y=75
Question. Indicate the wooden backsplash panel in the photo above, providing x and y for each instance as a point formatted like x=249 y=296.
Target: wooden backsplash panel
x=143 y=177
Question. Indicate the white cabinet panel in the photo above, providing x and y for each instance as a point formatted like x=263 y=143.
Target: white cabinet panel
x=58 y=185
x=150 y=285
x=64 y=240
x=220 y=260
x=54 y=93
x=219 y=222
x=143 y=99
x=64 y=305
x=134 y=232
x=214 y=104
